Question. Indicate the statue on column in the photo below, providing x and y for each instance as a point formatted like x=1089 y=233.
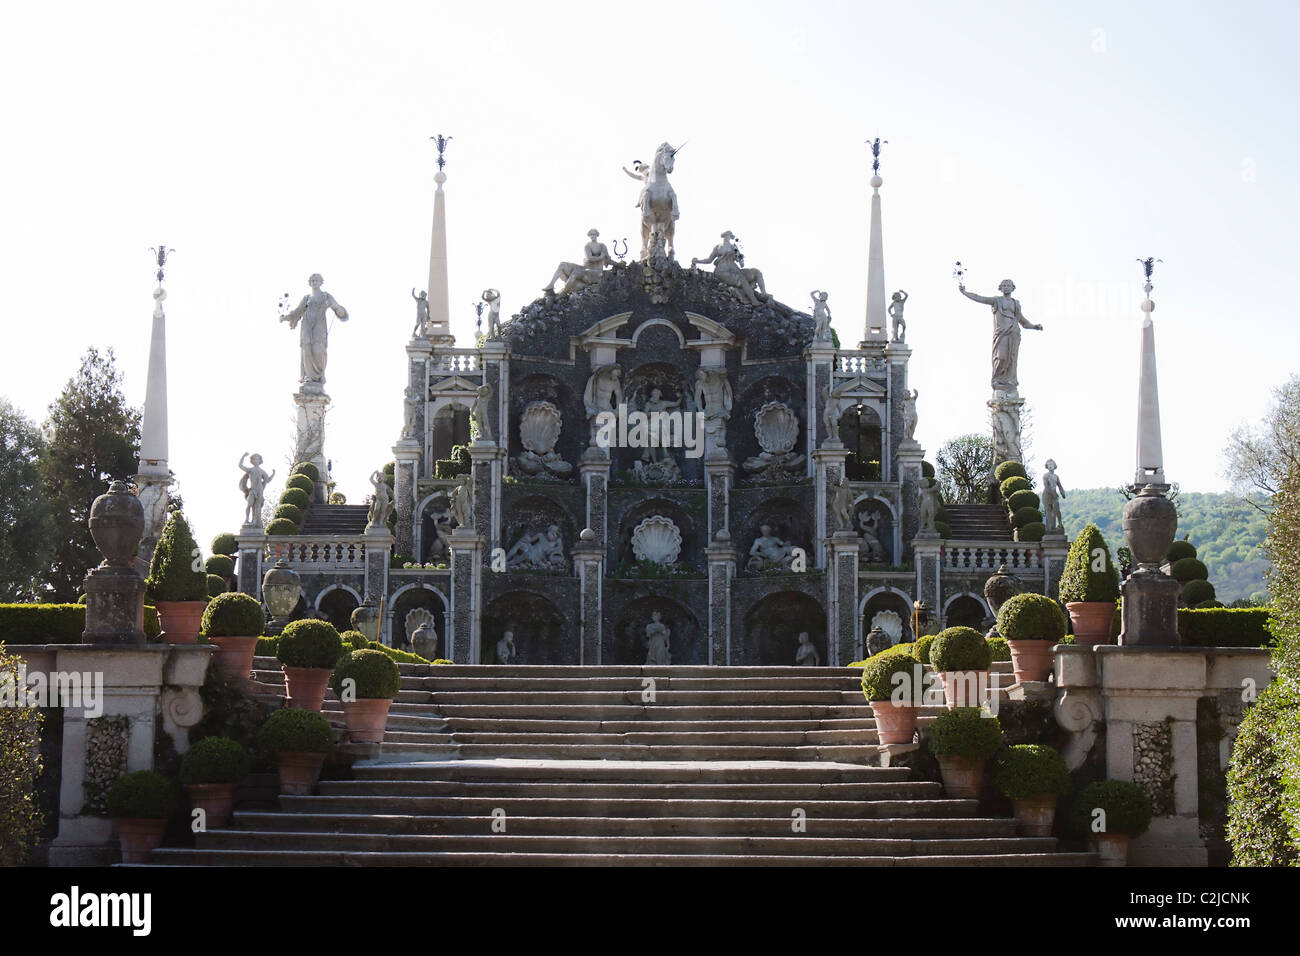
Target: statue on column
x=493 y=299
x=657 y=202
x=930 y=505
x=604 y=393
x=253 y=486
x=1053 y=492
x=314 y=338
x=821 y=316
x=910 y=418
x=1008 y=320
x=478 y=412
x=896 y=314
x=381 y=503
x=410 y=406
x=461 y=506
x=421 y=314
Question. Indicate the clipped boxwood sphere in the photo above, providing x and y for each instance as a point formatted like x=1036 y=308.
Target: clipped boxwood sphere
x=1179 y=550
x=233 y=615
x=1033 y=531
x=282 y=526
x=1197 y=592
x=960 y=649
x=1189 y=569
x=225 y=543
x=221 y=564
x=965 y=732
x=921 y=648
x=927 y=470
x=887 y=675
x=296 y=497
x=1022 y=499
x=999 y=649
x=355 y=640
x=309 y=643
x=1027 y=770
x=1026 y=516
x=1014 y=484
x=217 y=585
x=290 y=730
x=306 y=468
x=301 y=482
x=1009 y=469
x=1128 y=809
x=292 y=512
x=142 y=795
x=215 y=760
x=1031 y=617
x=375 y=673
x=944 y=529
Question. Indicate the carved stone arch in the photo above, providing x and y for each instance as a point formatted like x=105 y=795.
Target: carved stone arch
x=337 y=602
x=886 y=524
x=788 y=519
x=535 y=621
x=692 y=534
x=879 y=599
x=773 y=623
x=655 y=322
x=404 y=600
x=965 y=608
x=863 y=433
x=544 y=387
x=625 y=642
x=741 y=438
x=424 y=534
x=536 y=512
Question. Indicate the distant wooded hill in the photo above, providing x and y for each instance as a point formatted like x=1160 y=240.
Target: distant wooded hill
x=1226 y=531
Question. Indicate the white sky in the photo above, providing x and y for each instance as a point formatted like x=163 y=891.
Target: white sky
x=267 y=141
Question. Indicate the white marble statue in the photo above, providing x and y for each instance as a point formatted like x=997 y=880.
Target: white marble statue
x=842 y=505
x=595 y=261
x=538 y=550
x=656 y=448
x=870 y=550
x=478 y=412
x=769 y=552
x=896 y=315
x=657 y=202
x=910 y=418
x=253 y=486
x=381 y=503
x=421 y=314
x=604 y=393
x=461 y=506
x=656 y=639
x=821 y=317
x=930 y=505
x=728 y=265
x=713 y=394
x=314 y=338
x=410 y=407
x=505 y=649
x=658 y=539
x=1053 y=493
x=806 y=655
x=493 y=299
x=1008 y=320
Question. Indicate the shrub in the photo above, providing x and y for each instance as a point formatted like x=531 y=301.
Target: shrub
x=443 y=660
x=226 y=544
x=172 y=575
x=267 y=646
x=220 y=564
x=1031 y=617
x=338 y=498
x=306 y=468
x=233 y=615
x=880 y=680
x=1027 y=770
x=1080 y=581
x=1189 y=569
x=1225 y=627
x=1033 y=531
x=965 y=732
x=927 y=470
x=999 y=649
x=1258 y=829
x=355 y=639
x=142 y=795
x=296 y=497
x=215 y=760
x=281 y=526
x=921 y=647
x=1026 y=516
x=960 y=649
x=20 y=766
x=400 y=656
x=217 y=585
x=302 y=483
x=309 y=643
x=1012 y=485
x=1023 y=499
x=1128 y=808
x=290 y=730
x=457 y=464
x=1009 y=469
x=152 y=626
x=1179 y=550
x=292 y=512
x=1196 y=592
x=376 y=675
x=42 y=623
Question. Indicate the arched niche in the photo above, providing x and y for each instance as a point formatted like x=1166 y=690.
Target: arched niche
x=448 y=428
x=874 y=515
x=862 y=434
x=691 y=534
x=886 y=600
x=788 y=521
x=741 y=439
x=541 y=387
x=627 y=643
x=535 y=622
x=405 y=600
x=337 y=602
x=430 y=510
x=534 y=513
x=773 y=625
x=965 y=610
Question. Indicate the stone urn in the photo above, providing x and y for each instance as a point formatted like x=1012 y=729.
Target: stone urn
x=877 y=641
x=1150 y=521
x=895 y=723
x=281 y=588
x=116 y=524
x=962 y=776
x=298 y=772
x=1035 y=815
x=424 y=642
x=998 y=589
x=216 y=800
x=366 y=618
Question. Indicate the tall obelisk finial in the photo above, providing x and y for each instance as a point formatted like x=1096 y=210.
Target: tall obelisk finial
x=439 y=297
x=153 y=477
x=877 y=314
x=1150 y=458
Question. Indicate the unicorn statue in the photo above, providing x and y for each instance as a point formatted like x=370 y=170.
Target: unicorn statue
x=658 y=202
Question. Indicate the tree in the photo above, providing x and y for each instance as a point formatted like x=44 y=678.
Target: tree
x=964 y=467
x=26 y=531
x=94 y=438
x=1260 y=457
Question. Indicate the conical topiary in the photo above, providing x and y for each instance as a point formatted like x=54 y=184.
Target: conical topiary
x=1089 y=574
x=176 y=572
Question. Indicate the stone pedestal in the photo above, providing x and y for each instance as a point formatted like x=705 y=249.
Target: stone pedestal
x=114 y=606
x=310 y=442
x=722 y=571
x=406 y=454
x=588 y=563
x=379 y=551
x=1005 y=412
x=910 y=455
x=842 y=598
x=251 y=542
x=1150 y=609
x=463 y=639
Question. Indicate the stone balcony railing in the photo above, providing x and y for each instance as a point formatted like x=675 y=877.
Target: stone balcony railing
x=990 y=555
x=856 y=363
x=456 y=360
x=318 y=552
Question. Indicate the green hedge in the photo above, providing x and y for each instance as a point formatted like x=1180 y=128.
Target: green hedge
x=142 y=795
x=1179 y=550
x=402 y=657
x=233 y=615
x=217 y=585
x=879 y=680
x=375 y=674
x=1196 y=592
x=301 y=482
x=457 y=464
x=220 y=564
x=291 y=730
x=1026 y=770
x=1264 y=781
x=309 y=643
x=1031 y=617
x=999 y=649
x=292 y=512
x=921 y=647
x=1033 y=531
x=1012 y=485
x=56 y=623
x=1128 y=808
x=281 y=526
x=965 y=732
x=1224 y=627
x=171 y=572
x=296 y=497
x=225 y=543
x=1009 y=469
x=1024 y=516
x=1189 y=569
x=306 y=468
x=1080 y=581
x=215 y=760
x=1023 y=499
x=267 y=646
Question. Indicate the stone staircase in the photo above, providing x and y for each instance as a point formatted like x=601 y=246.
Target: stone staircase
x=978 y=523
x=335 y=520
x=557 y=765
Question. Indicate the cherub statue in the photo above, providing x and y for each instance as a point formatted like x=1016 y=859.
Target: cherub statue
x=253 y=486
x=821 y=316
x=381 y=504
x=421 y=314
x=493 y=299
x=896 y=314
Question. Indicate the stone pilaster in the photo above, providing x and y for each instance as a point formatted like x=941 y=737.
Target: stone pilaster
x=593 y=471
x=909 y=465
x=719 y=472
x=842 y=598
x=493 y=356
x=251 y=542
x=1006 y=427
x=925 y=555
x=487 y=462
x=588 y=565
x=463 y=639
x=821 y=366
x=896 y=356
x=829 y=463
x=405 y=479
x=1055 y=548
x=722 y=571
x=379 y=551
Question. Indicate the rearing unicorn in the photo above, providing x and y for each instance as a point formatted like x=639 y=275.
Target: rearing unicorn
x=658 y=202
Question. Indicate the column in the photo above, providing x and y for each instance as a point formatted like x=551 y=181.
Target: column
x=722 y=571
x=466 y=596
x=588 y=564
x=251 y=542
x=719 y=471
x=593 y=471
x=406 y=454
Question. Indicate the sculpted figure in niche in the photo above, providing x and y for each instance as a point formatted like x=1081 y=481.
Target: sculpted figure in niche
x=493 y=299
x=1008 y=320
x=421 y=314
x=896 y=314
x=479 y=412
x=821 y=317
x=728 y=265
x=314 y=338
x=253 y=486
x=842 y=505
x=1053 y=492
x=656 y=638
x=869 y=548
x=604 y=393
x=540 y=550
x=769 y=552
x=713 y=394
x=806 y=655
x=505 y=649
x=594 y=263
x=410 y=406
x=655 y=448
x=461 y=508
x=381 y=503
x=440 y=546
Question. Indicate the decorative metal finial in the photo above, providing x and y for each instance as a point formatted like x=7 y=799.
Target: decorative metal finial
x=1148 y=267
x=622 y=254
x=441 y=142
x=160 y=255
x=478 y=320
x=875 y=145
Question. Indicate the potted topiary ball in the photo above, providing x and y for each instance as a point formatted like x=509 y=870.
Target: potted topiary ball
x=209 y=770
x=234 y=622
x=1033 y=777
x=1112 y=812
x=1032 y=625
x=307 y=652
x=1089 y=587
x=177 y=584
x=963 y=739
x=962 y=658
x=300 y=739
x=140 y=804
x=893 y=683
x=366 y=682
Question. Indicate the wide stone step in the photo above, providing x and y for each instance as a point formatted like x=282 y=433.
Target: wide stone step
x=677 y=738
x=629 y=751
x=630 y=696
x=794 y=792
x=441 y=684
x=543 y=726
x=532 y=671
x=659 y=711
x=512 y=771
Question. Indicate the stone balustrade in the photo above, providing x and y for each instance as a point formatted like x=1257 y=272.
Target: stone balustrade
x=456 y=360
x=855 y=363
x=307 y=553
x=990 y=555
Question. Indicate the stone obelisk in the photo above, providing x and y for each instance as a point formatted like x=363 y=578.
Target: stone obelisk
x=876 y=331
x=439 y=328
x=153 y=477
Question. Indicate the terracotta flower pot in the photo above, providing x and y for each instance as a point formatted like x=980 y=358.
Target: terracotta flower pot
x=895 y=723
x=962 y=776
x=1035 y=815
x=1031 y=660
x=217 y=800
x=139 y=838
x=180 y=620
x=366 y=719
x=1091 y=621
x=1112 y=848
x=234 y=657
x=298 y=772
x=304 y=687
x=964 y=688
